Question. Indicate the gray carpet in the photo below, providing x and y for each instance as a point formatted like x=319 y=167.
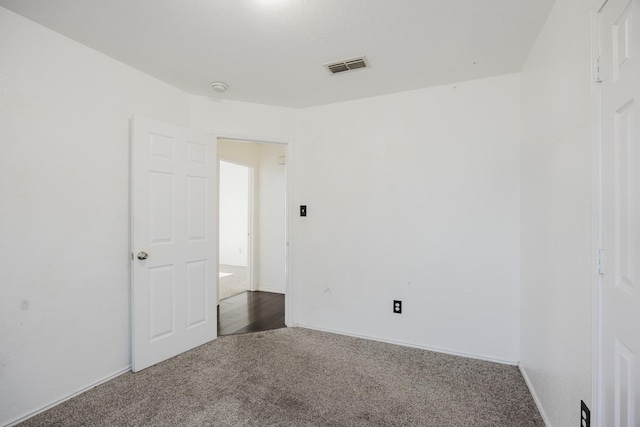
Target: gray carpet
x=234 y=284
x=300 y=377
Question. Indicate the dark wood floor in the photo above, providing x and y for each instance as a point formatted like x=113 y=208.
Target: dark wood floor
x=250 y=312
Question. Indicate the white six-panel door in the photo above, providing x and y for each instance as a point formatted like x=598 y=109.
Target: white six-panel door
x=174 y=240
x=620 y=53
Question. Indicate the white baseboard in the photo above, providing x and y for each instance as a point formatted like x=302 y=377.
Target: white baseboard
x=69 y=396
x=406 y=344
x=268 y=289
x=535 y=396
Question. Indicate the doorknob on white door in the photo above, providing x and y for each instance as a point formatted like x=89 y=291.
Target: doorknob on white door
x=143 y=255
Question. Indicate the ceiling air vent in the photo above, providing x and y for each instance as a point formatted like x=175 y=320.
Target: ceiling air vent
x=347 y=65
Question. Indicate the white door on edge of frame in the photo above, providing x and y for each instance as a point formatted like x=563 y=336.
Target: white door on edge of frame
x=619 y=56
x=174 y=240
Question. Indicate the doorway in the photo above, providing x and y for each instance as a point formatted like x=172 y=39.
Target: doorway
x=252 y=236
x=235 y=196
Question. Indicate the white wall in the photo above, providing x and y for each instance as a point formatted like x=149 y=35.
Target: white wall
x=234 y=213
x=64 y=223
x=556 y=222
x=413 y=196
x=242 y=120
x=243 y=153
x=272 y=218
x=64 y=180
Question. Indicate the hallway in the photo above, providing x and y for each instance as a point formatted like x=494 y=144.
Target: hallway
x=251 y=312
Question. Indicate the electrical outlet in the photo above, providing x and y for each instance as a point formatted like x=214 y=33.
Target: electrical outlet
x=585 y=415
x=397 y=306
x=303 y=210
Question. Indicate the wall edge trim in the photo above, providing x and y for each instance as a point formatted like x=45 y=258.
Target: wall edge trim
x=407 y=344
x=529 y=384
x=271 y=289
x=63 y=399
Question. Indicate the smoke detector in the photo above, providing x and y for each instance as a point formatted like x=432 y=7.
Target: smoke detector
x=219 y=86
x=347 y=65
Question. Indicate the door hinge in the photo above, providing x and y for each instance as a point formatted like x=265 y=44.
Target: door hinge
x=596 y=71
x=600 y=261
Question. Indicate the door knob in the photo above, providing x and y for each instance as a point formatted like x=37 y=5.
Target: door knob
x=143 y=255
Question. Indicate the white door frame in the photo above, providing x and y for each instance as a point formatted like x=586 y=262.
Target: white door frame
x=289 y=318
x=250 y=226
x=597 y=394
x=599 y=224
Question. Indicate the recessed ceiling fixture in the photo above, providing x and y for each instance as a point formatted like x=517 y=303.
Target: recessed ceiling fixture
x=347 y=65
x=219 y=86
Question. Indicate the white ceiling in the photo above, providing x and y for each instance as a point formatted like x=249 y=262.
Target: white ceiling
x=272 y=51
